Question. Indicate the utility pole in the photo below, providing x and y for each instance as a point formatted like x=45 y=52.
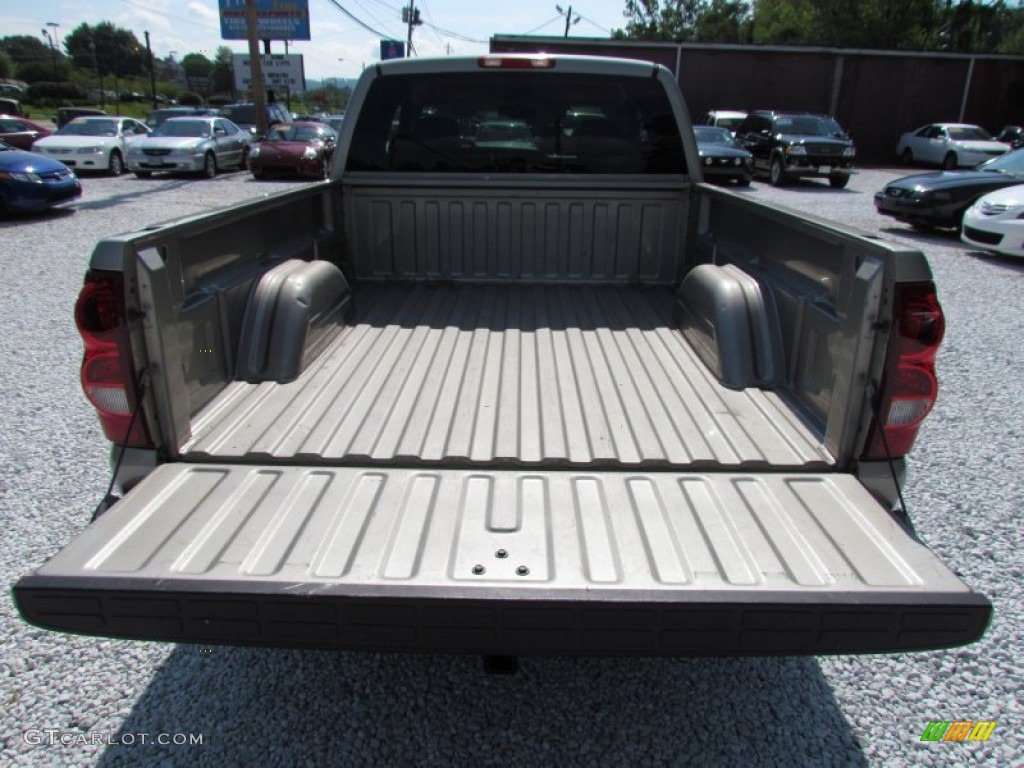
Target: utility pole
x=96 y=66
x=152 y=74
x=411 y=16
x=52 y=38
x=256 y=68
x=569 y=20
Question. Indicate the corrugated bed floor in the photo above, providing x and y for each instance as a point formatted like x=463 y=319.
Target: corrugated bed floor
x=498 y=375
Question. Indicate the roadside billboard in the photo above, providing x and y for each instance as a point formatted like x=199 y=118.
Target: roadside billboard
x=275 y=19
x=281 y=72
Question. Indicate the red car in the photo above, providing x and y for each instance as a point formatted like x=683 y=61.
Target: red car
x=19 y=132
x=303 y=148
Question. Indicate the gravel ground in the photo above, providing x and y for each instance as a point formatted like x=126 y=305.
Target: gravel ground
x=304 y=708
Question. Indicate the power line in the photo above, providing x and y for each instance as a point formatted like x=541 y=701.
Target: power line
x=456 y=35
x=369 y=13
x=170 y=15
x=594 y=23
x=359 y=21
x=430 y=22
x=553 y=18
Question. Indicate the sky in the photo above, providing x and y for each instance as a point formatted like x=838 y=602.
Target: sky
x=339 y=46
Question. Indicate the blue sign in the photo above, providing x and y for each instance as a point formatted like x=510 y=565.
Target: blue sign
x=392 y=49
x=275 y=19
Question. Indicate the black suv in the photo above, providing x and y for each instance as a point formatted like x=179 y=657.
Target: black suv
x=787 y=145
x=244 y=115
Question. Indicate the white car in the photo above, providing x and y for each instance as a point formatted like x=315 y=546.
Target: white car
x=191 y=145
x=951 y=145
x=724 y=118
x=996 y=222
x=93 y=143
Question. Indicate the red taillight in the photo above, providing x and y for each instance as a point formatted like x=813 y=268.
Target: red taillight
x=909 y=387
x=108 y=377
x=516 y=62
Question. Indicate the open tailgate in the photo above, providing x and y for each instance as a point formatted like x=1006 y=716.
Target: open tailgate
x=504 y=562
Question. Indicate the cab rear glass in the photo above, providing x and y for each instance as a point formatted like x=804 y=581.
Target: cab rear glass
x=549 y=123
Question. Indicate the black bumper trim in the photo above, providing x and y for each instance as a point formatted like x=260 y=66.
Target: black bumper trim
x=718 y=624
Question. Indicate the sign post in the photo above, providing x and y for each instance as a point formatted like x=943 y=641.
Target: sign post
x=258 y=97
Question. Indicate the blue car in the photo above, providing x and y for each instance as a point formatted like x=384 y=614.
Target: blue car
x=31 y=182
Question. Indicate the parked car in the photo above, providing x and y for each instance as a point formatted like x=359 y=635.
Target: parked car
x=996 y=222
x=788 y=145
x=730 y=119
x=303 y=148
x=721 y=157
x=244 y=115
x=9 y=106
x=191 y=145
x=66 y=114
x=939 y=199
x=93 y=143
x=19 y=132
x=334 y=121
x=1012 y=135
x=157 y=117
x=29 y=182
x=951 y=145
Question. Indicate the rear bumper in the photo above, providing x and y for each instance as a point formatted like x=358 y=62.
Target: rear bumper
x=169 y=163
x=508 y=622
x=504 y=562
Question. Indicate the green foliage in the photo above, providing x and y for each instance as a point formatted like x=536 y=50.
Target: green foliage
x=190 y=99
x=55 y=94
x=196 y=65
x=222 y=73
x=24 y=49
x=725 y=21
x=6 y=65
x=39 y=71
x=654 y=20
x=785 y=21
x=943 y=25
x=112 y=50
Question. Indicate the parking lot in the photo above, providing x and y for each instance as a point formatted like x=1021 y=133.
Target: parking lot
x=87 y=701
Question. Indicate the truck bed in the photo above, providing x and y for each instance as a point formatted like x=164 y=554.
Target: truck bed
x=503 y=375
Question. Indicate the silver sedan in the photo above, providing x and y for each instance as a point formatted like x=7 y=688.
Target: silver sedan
x=191 y=145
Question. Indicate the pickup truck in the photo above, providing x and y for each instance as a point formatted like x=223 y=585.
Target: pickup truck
x=550 y=394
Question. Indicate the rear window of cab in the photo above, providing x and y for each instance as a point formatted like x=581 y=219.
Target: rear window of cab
x=522 y=122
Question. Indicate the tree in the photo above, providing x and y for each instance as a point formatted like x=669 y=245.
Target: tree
x=117 y=51
x=1012 y=28
x=44 y=71
x=649 y=20
x=25 y=49
x=725 y=21
x=786 y=22
x=223 y=72
x=196 y=65
x=6 y=65
x=197 y=70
